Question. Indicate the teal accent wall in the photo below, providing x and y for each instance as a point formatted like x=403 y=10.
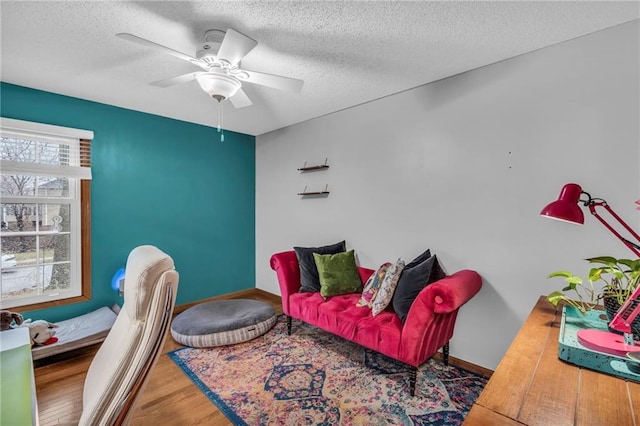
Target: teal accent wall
x=156 y=181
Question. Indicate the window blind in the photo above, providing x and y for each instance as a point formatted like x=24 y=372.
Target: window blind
x=28 y=148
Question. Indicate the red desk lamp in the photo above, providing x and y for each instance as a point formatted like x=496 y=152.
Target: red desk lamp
x=566 y=209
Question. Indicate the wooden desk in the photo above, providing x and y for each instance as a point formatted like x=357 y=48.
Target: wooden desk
x=532 y=386
x=17 y=385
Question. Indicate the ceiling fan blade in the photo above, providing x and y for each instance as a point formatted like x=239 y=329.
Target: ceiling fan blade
x=167 y=82
x=159 y=47
x=235 y=46
x=240 y=99
x=275 y=81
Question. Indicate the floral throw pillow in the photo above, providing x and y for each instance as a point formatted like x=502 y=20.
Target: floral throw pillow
x=387 y=288
x=373 y=285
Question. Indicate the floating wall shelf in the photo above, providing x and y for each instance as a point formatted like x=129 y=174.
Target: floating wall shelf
x=306 y=193
x=306 y=168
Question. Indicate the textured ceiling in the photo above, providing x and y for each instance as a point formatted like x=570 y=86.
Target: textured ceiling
x=346 y=52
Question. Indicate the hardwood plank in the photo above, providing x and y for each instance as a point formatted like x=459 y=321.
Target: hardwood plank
x=551 y=398
x=52 y=373
x=52 y=415
x=181 y=409
x=603 y=400
x=483 y=417
x=505 y=392
x=634 y=400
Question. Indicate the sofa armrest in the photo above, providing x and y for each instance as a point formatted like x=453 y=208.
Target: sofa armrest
x=431 y=318
x=451 y=292
x=288 y=272
x=365 y=274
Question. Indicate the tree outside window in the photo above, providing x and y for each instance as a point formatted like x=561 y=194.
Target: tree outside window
x=44 y=234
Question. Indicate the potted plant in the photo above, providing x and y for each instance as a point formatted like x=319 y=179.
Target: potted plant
x=611 y=282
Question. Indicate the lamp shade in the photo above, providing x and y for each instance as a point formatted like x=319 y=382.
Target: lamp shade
x=218 y=85
x=566 y=207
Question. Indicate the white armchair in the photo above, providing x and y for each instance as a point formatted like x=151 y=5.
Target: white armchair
x=121 y=366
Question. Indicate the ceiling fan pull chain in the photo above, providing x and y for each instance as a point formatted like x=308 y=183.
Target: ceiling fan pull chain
x=220 y=123
x=220 y=117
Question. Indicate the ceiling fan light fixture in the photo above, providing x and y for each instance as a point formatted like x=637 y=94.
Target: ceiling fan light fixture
x=240 y=75
x=220 y=57
x=218 y=86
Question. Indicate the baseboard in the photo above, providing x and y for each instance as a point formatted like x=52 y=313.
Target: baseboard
x=263 y=294
x=457 y=362
x=274 y=299
x=250 y=293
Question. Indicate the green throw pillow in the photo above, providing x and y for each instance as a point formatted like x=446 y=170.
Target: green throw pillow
x=338 y=273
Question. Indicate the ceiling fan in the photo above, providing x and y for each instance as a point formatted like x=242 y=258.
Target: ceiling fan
x=219 y=56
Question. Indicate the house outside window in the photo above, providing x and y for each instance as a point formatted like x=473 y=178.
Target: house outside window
x=44 y=215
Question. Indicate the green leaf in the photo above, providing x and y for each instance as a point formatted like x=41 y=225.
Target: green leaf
x=607 y=260
x=618 y=274
x=627 y=262
x=555 y=298
x=633 y=265
x=566 y=274
x=573 y=280
x=594 y=274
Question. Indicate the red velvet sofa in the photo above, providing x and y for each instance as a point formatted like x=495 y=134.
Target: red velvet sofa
x=428 y=327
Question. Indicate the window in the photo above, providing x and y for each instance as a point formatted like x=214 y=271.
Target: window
x=45 y=214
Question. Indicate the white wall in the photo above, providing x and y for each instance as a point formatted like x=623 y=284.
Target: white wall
x=463 y=166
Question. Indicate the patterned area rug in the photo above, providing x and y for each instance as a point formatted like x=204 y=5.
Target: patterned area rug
x=315 y=378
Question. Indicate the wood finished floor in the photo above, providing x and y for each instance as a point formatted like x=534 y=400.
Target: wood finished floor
x=170 y=398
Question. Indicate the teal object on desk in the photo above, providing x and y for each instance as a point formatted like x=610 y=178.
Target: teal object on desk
x=570 y=349
x=16 y=380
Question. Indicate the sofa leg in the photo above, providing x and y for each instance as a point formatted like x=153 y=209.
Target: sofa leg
x=445 y=353
x=413 y=373
x=289 y=325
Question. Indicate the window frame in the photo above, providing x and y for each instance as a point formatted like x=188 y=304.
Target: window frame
x=84 y=138
x=85 y=257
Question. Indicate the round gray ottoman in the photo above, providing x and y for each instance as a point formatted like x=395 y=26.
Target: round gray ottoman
x=222 y=322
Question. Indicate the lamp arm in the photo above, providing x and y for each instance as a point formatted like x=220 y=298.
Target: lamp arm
x=592 y=203
x=627 y=313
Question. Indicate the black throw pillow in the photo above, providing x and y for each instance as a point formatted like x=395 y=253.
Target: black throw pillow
x=418 y=260
x=412 y=281
x=309 y=280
